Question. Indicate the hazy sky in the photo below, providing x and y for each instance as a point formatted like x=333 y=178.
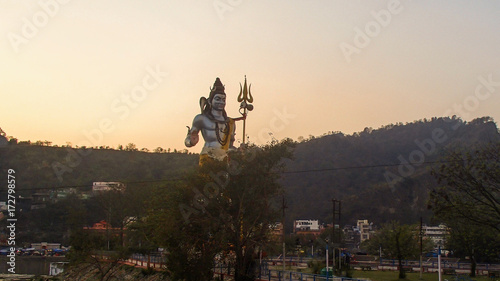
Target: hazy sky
x=112 y=72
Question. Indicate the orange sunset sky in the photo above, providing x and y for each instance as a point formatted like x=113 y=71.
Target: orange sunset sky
x=121 y=71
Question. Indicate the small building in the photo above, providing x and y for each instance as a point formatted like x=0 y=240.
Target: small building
x=63 y=193
x=104 y=227
x=276 y=230
x=305 y=227
x=364 y=228
x=107 y=186
x=436 y=233
x=45 y=246
x=351 y=236
x=98 y=226
x=40 y=200
x=24 y=203
x=57 y=268
x=301 y=225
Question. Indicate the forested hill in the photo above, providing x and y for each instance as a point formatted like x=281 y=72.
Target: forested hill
x=378 y=175
x=42 y=167
x=362 y=170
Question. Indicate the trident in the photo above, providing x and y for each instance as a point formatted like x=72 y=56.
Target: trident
x=245 y=99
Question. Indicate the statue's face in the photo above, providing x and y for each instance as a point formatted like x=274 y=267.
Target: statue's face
x=219 y=102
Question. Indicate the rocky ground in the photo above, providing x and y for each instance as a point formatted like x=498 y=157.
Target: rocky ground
x=121 y=272
x=87 y=273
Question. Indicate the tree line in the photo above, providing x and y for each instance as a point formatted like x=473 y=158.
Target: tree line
x=129 y=147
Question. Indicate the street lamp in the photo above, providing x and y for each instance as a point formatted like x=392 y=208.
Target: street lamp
x=326 y=258
x=380 y=253
x=439 y=261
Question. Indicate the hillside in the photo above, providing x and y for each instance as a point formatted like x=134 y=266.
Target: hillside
x=41 y=170
x=378 y=175
x=363 y=170
x=42 y=167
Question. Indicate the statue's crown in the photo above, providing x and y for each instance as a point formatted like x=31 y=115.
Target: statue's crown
x=218 y=87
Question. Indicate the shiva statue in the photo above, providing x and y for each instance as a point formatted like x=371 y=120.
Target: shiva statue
x=217 y=129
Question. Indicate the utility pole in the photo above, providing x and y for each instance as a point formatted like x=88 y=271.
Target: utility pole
x=421 y=234
x=326 y=250
x=439 y=262
x=107 y=226
x=336 y=218
x=284 y=206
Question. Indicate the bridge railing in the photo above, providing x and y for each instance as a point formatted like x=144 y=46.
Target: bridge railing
x=265 y=274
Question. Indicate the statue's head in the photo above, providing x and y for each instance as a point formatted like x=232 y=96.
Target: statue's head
x=217 y=89
x=217 y=98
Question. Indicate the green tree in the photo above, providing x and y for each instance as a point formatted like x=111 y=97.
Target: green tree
x=469 y=186
x=254 y=194
x=75 y=214
x=131 y=147
x=479 y=243
x=116 y=212
x=188 y=232
x=468 y=201
x=159 y=150
x=87 y=254
x=223 y=210
x=397 y=242
x=120 y=206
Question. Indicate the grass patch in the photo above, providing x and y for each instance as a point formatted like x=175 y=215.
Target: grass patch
x=377 y=275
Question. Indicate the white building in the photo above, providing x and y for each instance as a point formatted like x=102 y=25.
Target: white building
x=306 y=225
x=45 y=246
x=364 y=228
x=436 y=233
x=57 y=268
x=108 y=186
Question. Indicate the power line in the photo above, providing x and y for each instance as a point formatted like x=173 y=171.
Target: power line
x=284 y=172
x=87 y=185
x=365 y=167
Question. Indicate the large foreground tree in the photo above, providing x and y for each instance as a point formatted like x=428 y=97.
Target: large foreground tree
x=469 y=186
x=468 y=202
x=224 y=211
x=477 y=243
